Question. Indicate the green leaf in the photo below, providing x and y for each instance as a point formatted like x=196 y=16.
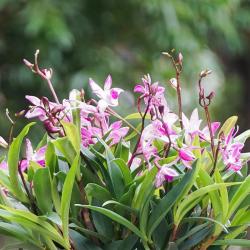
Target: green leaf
x=17 y=232
x=5 y=180
x=168 y=201
x=51 y=158
x=81 y=242
x=32 y=222
x=13 y=158
x=135 y=116
x=125 y=171
x=190 y=233
x=187 y=204
x=214 y=196
x=228 y=125
x=240 y=195
x=72 y=134
x=125 y=244
x=66 y=198
x=233 y=242
x=116 y=217
x=196 y=238
x=98 y=192
x=42 y=189
x=115 y=174
x=88 y=232
x=120 y=205
x=66 y=148
x=122 y=150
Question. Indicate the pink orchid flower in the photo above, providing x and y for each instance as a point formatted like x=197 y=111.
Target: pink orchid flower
x=191 y=126
x=108 y=96
x=186 y=157
x=231 y=152
x=38 y=109
x=165 y=174
x=31 y=155
x=152 y=91
x=117 y=132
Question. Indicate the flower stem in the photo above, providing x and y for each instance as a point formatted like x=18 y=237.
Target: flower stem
x=139 y=138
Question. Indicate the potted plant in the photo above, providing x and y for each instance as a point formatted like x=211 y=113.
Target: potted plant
x=154 y=179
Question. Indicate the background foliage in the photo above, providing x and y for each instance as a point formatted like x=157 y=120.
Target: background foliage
x=84 y=38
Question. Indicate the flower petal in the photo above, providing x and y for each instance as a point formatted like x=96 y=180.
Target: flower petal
x=108 y=83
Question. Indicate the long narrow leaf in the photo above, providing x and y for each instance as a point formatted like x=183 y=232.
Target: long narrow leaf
x=116 y=217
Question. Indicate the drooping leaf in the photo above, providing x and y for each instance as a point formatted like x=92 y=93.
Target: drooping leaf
x=13 y=158
x=117 y=218
x=66 y=198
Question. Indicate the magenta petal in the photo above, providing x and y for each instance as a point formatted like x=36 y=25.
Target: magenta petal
x=139 y=89
x=215 y=126
x=116 y=125
x=186 y=155
x=23 y=165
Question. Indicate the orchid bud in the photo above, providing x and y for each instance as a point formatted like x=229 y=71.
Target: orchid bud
x=21 y=113
x=28 y=64
x=166 y=54
x=47 y=73
x=211 y=96
x=50 y=127
x=180 y=58
x=173 y=83
x=205 y=72
x=3 y=143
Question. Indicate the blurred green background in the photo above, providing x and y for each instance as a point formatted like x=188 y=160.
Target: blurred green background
x=92 y=38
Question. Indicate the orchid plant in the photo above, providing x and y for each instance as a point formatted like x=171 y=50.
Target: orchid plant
x=155 y=179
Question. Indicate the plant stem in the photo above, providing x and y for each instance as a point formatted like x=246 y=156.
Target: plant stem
x=210 y=129
x=32 y=203
x=179 y=98
x=139 y=138
x=178 y=89
x=53 y=91
x=85 y=212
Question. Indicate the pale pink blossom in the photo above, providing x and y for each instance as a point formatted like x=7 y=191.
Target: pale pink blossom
x=231 y=152
x=37 y=156
x=108 y=96
x=165 y=174
x=191 y=126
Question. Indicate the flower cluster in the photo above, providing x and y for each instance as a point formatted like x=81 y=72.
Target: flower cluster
x=155 y=167
x=168 y=141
